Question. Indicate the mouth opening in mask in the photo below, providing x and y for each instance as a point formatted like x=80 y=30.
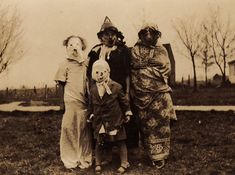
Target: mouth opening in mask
x=110 y=43
x=101 y=79
x=75 y=53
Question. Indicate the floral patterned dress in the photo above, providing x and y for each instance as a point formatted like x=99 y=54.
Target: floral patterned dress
x=150 y=68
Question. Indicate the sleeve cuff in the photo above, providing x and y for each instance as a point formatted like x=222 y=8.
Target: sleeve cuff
x=128 y=113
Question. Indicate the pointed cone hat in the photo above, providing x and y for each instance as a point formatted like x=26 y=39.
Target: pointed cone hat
x=107 y=25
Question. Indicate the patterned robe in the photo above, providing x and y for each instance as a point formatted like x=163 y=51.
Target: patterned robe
x=150 y=68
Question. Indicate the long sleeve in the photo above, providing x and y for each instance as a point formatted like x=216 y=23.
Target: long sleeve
x=123 y=101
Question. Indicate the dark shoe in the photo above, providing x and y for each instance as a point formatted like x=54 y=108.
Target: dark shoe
x=159 y=164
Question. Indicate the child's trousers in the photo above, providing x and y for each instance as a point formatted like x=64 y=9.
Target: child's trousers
x=75 y=140
x=122 y=150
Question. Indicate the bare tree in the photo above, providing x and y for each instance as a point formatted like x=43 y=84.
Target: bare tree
x=188 y=31
x=221 y=40
x=207 y=62
x=10 y=35
x=205 y=53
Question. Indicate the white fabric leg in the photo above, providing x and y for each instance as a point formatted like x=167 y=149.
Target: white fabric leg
x=75 y=140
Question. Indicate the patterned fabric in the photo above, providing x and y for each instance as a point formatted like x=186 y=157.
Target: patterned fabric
x=155 y=126
x=150 y=67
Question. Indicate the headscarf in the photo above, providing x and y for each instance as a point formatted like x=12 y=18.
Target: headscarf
x=152 y=26
x=156 y=31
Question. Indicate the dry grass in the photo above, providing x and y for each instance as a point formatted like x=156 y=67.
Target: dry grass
x=30 y=145
x=204 y=96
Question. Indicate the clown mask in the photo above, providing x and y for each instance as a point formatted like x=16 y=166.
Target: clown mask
x=100 y=71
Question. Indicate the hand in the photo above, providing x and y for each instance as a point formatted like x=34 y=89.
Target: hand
x=127 y=119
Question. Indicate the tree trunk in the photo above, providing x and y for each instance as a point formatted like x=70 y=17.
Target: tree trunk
x=206 y=82
x=224 y=74
x=194 y=74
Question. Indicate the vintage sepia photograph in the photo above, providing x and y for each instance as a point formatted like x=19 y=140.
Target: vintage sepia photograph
x=135 y=87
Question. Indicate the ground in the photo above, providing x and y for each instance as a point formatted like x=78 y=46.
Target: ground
x=204 y=96
x=202 y=143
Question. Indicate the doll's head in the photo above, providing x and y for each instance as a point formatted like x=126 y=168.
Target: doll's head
x=75 y=45
x=149 y=35
x=100 y=71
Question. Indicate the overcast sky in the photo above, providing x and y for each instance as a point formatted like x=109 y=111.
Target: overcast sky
x=47 y=23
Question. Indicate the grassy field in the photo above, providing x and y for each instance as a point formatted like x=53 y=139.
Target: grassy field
x=203 y=143
x=204 y=96
x=180 y=96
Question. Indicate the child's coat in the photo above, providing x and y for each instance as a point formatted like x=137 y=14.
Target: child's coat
x=109 y=110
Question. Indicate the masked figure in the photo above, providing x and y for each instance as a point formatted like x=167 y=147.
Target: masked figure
x=75 y=140
x=150 y=69
x=113 y=50
x=110 y=110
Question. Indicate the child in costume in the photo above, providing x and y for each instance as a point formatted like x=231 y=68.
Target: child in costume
x=110 y=110
x=75 y=140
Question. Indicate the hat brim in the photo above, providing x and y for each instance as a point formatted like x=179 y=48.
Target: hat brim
x=111 y=28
